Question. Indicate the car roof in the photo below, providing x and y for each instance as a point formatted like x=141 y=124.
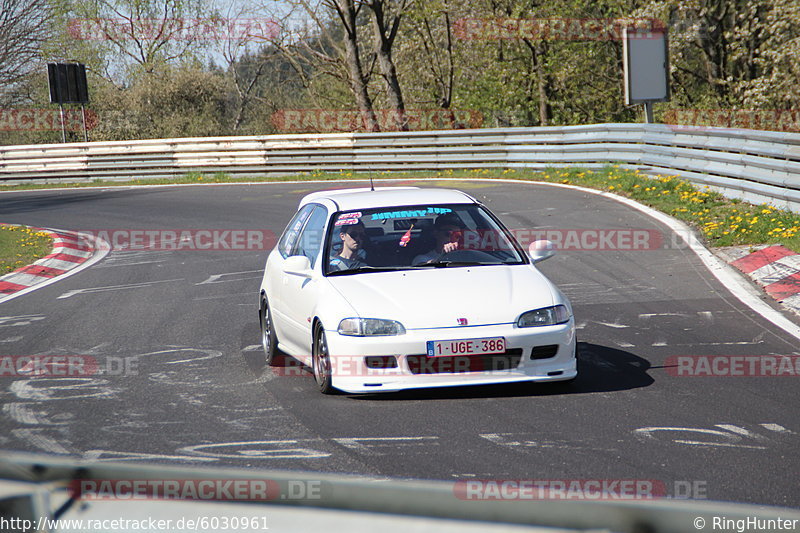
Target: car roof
x=365 y=198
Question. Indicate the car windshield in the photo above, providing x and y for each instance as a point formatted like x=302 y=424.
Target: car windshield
x=417 y=237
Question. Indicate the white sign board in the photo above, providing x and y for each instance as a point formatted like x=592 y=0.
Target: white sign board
x=646 y=64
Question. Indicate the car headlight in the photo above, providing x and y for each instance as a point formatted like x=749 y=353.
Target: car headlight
x=547 y=316
x=369 y=327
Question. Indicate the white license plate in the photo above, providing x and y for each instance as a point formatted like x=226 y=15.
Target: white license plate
x=485 y=346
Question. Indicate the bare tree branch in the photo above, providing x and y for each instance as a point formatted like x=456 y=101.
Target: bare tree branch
x=24 y=27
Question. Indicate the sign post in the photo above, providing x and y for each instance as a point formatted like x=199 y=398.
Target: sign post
x=646 y=67
x=68 y=86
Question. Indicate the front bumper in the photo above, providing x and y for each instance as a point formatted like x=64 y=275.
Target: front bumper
x=415 y=370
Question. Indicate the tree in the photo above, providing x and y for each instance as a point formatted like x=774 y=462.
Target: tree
x=332 y=45
x=385 y=21
x=432 y=47
x=24 y=27
x=772 y=56
x=173 y=102
x=143 y=35
x=265 y=84
x=247 y=68
x=732 y=53
x=328 y=46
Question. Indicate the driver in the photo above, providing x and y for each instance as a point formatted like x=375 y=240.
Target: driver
x=447 y=230
x=353 y=237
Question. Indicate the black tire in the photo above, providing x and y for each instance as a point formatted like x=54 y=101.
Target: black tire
x=321 y=362
x=269 y=341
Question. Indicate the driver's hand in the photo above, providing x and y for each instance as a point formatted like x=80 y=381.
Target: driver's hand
x=449 y=247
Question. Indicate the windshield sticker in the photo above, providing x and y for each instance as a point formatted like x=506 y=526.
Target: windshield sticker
x=348 y=218
x=411 y=213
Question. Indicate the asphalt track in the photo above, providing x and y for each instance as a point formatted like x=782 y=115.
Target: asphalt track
x=196 y=392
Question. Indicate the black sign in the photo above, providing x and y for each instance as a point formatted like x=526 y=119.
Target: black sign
x=67 y=83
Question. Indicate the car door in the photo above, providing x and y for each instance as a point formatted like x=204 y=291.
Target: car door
x=276 y=278
x=299 y=292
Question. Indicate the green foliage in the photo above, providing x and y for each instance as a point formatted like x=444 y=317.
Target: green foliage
x=277 y=87
x=177 y=102
x=725 y=54
x=20 y=246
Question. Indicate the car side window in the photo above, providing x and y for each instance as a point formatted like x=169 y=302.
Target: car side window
x=292 y=231
x=310 y=241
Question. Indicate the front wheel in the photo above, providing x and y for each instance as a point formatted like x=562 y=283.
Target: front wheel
x=321 y=361
x=269 y=341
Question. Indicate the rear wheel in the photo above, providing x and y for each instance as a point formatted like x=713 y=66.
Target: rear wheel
x=269 y=341
x=321 y=361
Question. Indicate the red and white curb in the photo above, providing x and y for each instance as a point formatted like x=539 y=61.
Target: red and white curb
x=777 y=269
x=71 y=253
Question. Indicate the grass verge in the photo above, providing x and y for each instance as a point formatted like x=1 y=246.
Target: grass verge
x=721 y=221
x=21 y=246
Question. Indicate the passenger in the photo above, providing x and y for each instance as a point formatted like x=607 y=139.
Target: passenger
x=447 y=230
x=350 y=257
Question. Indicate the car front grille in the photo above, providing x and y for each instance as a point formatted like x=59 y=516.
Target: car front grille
x=422 y=364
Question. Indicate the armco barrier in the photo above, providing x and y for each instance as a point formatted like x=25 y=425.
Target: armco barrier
x=756 y=165
x=29 y=483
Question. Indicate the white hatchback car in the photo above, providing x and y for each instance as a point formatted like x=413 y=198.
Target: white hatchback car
x=400 y=288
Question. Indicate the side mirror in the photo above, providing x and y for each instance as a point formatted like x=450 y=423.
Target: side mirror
x=298 y=265
x=541 y=250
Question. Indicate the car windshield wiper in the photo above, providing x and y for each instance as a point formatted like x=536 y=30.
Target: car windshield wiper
x=366 y=269
x=445 y=264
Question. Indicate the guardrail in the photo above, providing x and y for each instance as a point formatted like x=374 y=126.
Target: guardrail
x=756 y=165
x=37 y=489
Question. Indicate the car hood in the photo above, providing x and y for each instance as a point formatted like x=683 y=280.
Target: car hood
x=438 y=297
